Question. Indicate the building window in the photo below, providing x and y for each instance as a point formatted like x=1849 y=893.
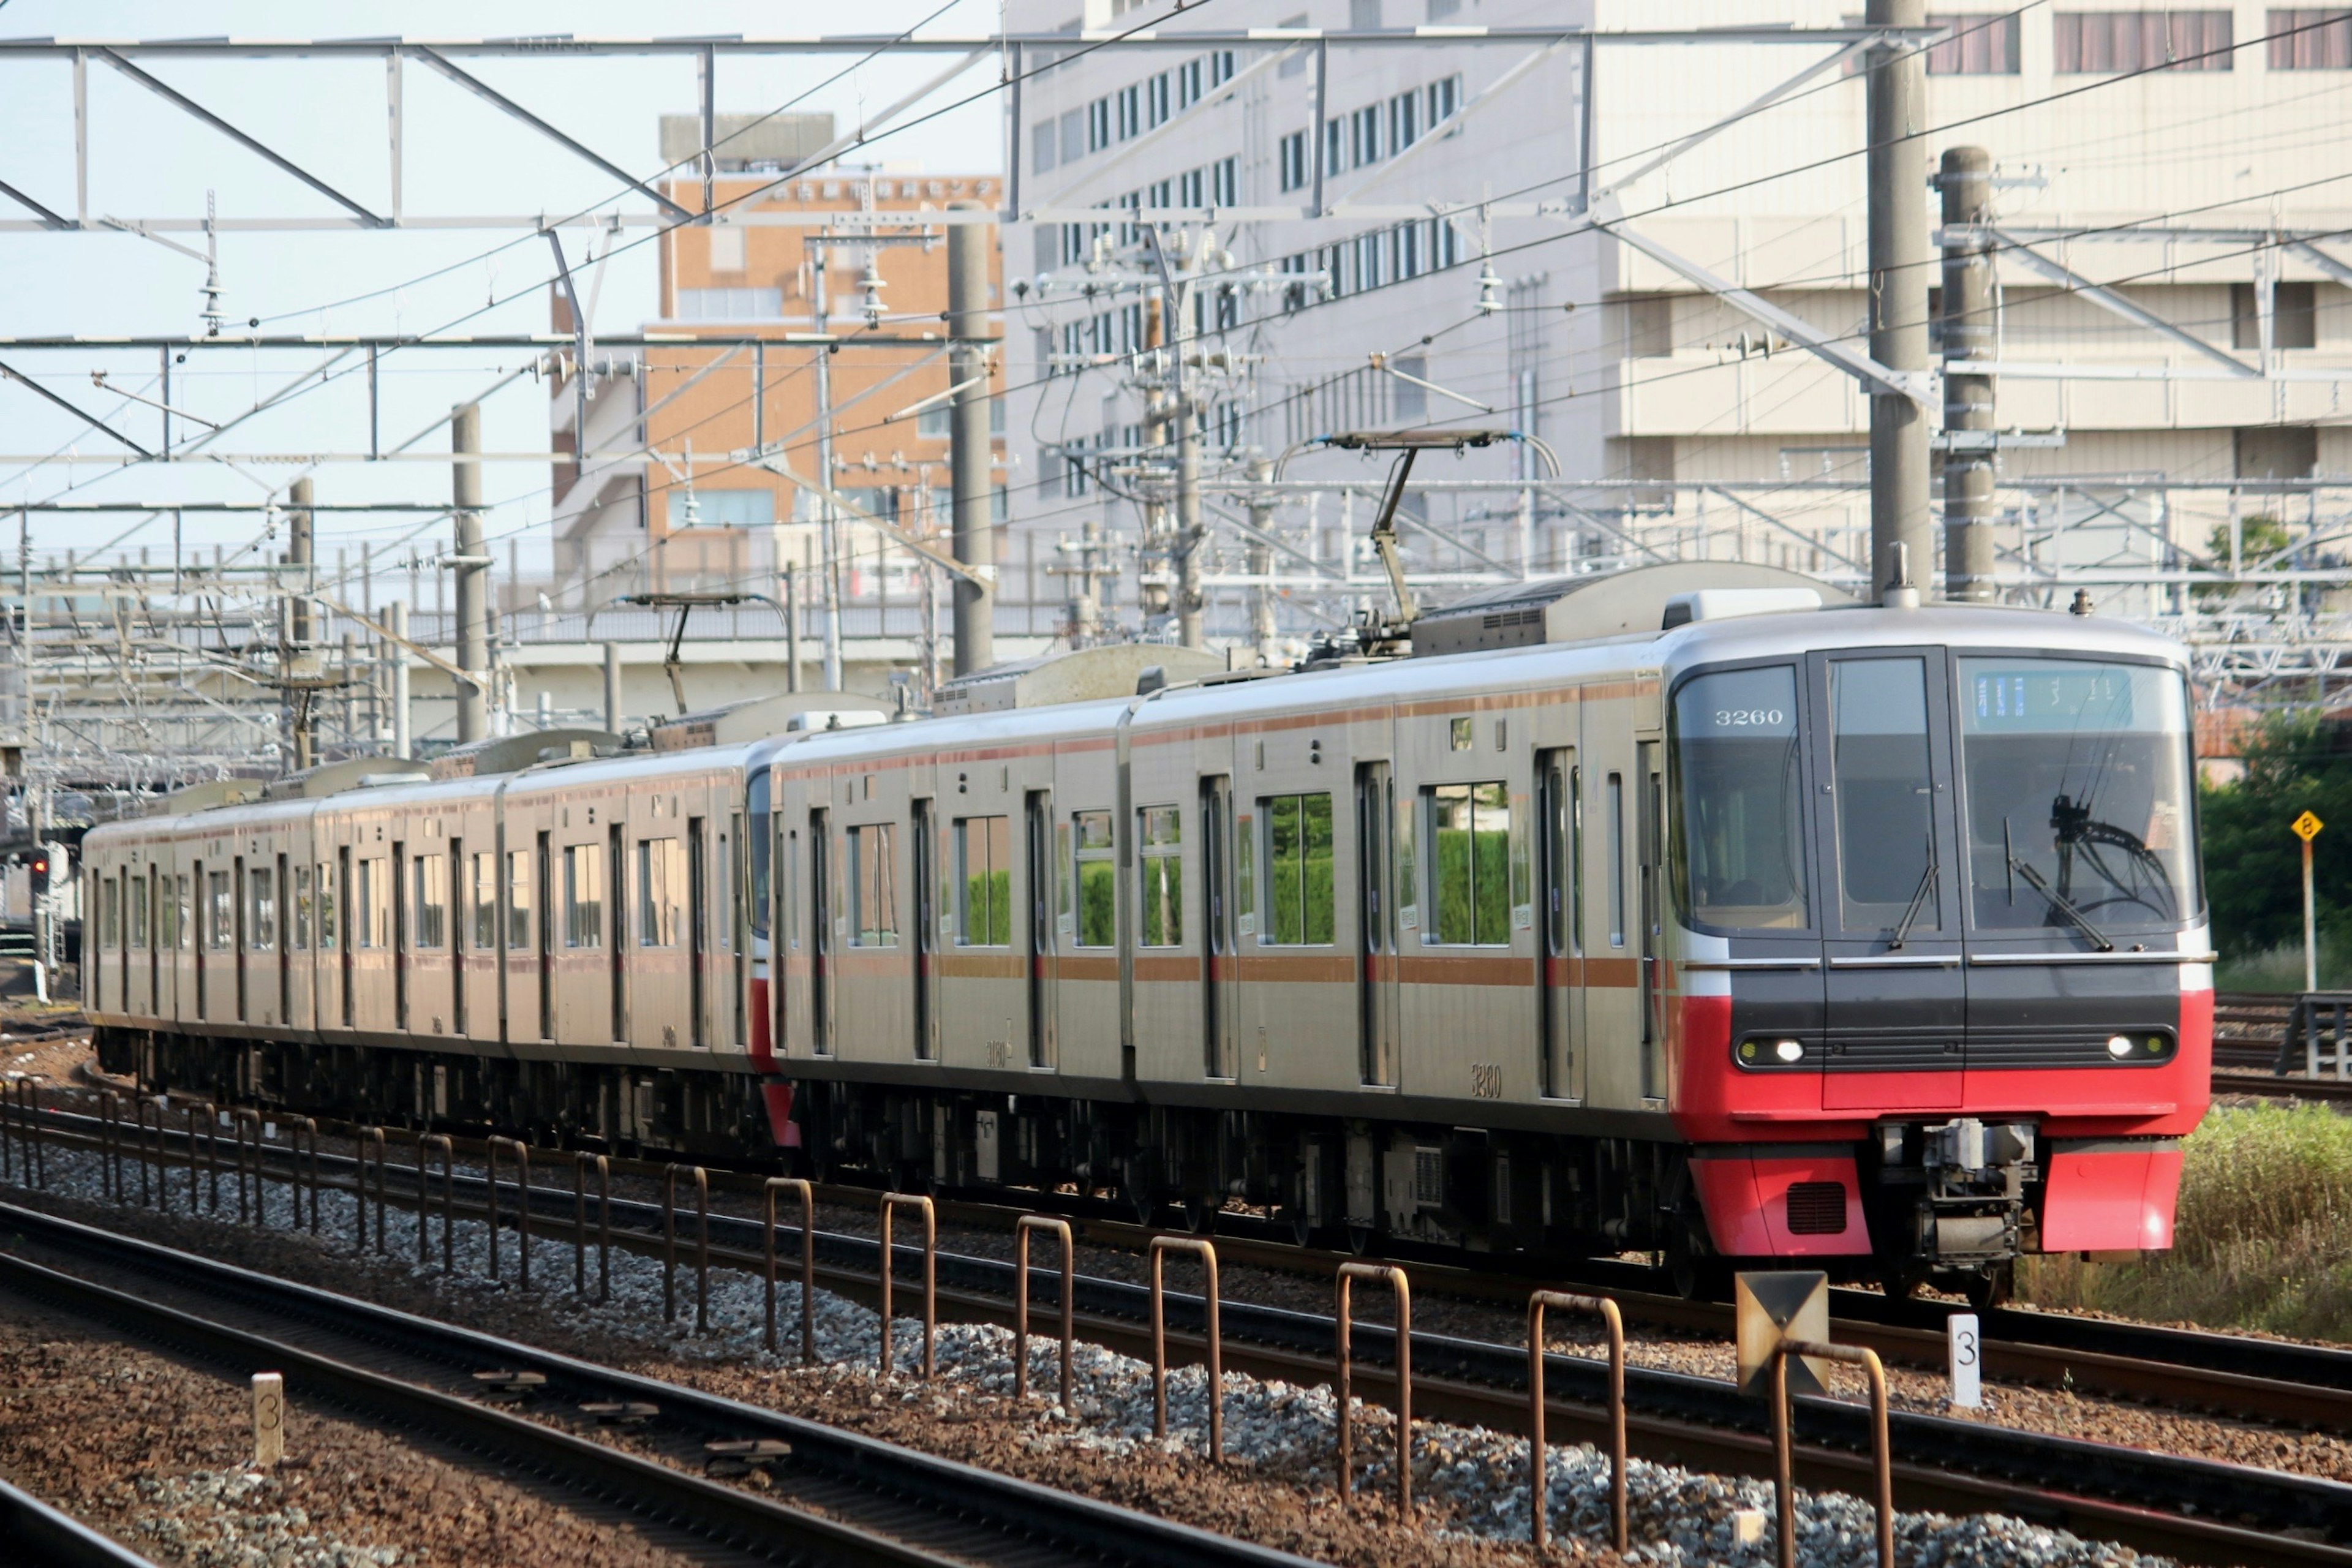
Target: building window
x=1405 y=121
x=1099 y=125
x=1649 y=326
x=2294 y=316
x=1074 y=135
x=983 y=846
x=1155 y=98
x=1445 y=99
x=1160 y=874
x=1041 y=147
x=260 y=910
x=1096 y=922
x=1221 y=67
x=1469 y=864
x=583 y=895
x=1334 y=147
x=2277 y=451
x=661 y=890
x=1130 y=101
x=873 y=886
x=731 y=304
x=518 y=899
x=1980 y=45
x=1225 y=181
x=1295 y=172
x=721 y=509
x=428 y=902
x=2306 y=40
x=2096 y=42
x=1364 y=137
x=1188 y=84
x=1298 y=870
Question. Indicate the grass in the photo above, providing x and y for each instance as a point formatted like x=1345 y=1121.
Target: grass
x=2262 y=1238
x=2280 y=969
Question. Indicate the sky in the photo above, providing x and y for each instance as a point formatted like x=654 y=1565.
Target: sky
x=149 y=160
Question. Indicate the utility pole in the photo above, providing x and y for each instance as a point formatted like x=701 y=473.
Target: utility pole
x=395 y=654
x=1898 y=292
x=969 y=447
x=613 y=687
x=1970 y=427
x=1261 y=564
x=1085 y=607
x=473 y=566
x=791 y=628
x=829 y=589
x=295 y=664
x=1188 y=540
x=1153 y=597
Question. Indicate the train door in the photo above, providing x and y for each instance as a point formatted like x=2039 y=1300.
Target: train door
x=821 y=933
x=286 y=916
x=697 y=936
x=454 y=929
x=1559 y=830
x=542 y=874
x=400 y=936
x=345 y=917
x=1376 y=931
x=1219 y=999
x=159 y=887
x=927 y=930
x=1044 y=1010
x=616 y=924
x=1891 y=920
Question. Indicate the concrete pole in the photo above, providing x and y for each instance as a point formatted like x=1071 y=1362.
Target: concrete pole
x=301 y=551
x=1152 y=597
x=403 y=740
x=1899 y=295
x=1967 y=184
x=1188 y=537
x=829 y=588
x=613 y=687
x=791 y=628
x=1261 y=564
x=349 y=671
x=473 y=573
x=969 y=447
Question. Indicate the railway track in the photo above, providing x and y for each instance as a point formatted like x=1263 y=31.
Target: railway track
x=39 y=1536
x=836 y=1498
x=2192 y=1508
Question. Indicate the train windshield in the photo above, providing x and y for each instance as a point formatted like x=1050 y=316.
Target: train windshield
x=2078 y=807
x=1739 y=845
x=762 y=845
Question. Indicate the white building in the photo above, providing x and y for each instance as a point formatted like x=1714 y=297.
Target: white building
x=1684 y=423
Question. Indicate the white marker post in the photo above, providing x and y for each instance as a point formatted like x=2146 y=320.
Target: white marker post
x=1968 y=1363
x=268 y=1419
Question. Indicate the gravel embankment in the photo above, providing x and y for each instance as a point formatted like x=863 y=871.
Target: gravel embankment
x=1280 y=1438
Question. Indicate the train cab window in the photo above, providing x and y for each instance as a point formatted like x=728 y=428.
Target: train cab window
x=1883 y=794
x=299 y=911
x=1298 y=861
x=2078 y=795
x=874 y=885
x=327 y=922
x=583 y=895
x=1737 y=854
x=983 y=846
x=1097 y=874
x=217 y=910
x=429 y=904
x=519 y=900
x=1469 y=864
x=661 y=890
x=1160 y=876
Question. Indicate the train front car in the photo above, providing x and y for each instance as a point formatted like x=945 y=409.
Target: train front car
x=1943 y=980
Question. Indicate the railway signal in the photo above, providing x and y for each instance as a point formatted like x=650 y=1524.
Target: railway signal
x=2307 y=827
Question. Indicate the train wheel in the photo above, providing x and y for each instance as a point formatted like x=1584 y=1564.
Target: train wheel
x=1994 y=1286
x=1901 y=1281
x=1198 y=1215
x=1698 y=1273
x=1301 y=1229
x=1360 y=1238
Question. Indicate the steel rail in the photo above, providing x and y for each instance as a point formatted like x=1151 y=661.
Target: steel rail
x=880 y=1498
x=39 y=1536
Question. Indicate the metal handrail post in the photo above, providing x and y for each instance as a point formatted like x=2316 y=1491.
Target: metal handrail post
x=308 y=1130
x=1784 y=1490
x=1606 y=1310
x=1200 y=1247
x=1020 y=1229
x=669 y=1245
x=1348 y=1274
x=448 y=1199
x=768 y=1192
x=891 y=1203
x=580 y=1165
x=522 y=1207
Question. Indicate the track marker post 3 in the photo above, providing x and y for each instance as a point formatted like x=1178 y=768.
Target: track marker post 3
x=1061 y=1231
x=768 y=1192
x=701 y=1249
x=1344 y=1376
x=1967 y=1346
x=1606 y=1311
x=268 y=1419
x=1201 y=1247
x=891 y=1203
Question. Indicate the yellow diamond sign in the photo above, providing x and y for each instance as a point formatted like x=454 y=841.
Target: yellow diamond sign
x=2306 y=826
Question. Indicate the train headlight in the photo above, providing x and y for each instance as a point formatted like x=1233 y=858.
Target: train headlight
x=1789 y=1050
x=2119 y=1046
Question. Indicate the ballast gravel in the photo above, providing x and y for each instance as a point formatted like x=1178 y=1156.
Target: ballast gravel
x=1277 y=1486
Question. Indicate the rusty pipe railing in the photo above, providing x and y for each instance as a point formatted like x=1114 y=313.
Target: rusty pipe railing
x=1784 y=1489
x=211 y=1156
x=603 y=1167
x=1606 y=1311
x=891 y=1203
x=1060 y=1228
x=522 y=1205
x=301 y=1138
x=149 y=1195
x=425 y=1143
x=1161 y=1245
x=110 y=1139
x=701 y=1249
x=1348 y=1274
x=768 y=1193
x=245 y=1119
x=363 y=1140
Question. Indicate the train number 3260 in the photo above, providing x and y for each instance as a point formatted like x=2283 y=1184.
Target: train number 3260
x=1487 y=1081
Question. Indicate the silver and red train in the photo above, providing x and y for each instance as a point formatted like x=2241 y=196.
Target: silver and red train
x=1871 y=936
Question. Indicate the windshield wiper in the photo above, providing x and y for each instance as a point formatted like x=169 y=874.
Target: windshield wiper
x=1918 y=902
x=2058 y=901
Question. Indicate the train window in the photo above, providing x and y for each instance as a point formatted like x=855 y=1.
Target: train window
x=1299 y=857
x=1469 y=872
x=327 y=926
x=1616 y=860
x=661 y=890
x=217 y=910
x=1738 y=840
x=299 y=911
x=1097 y=914
x=760 y=845
x=583 y=895
x=260 y=910
x=183 y=925
x=519 y=900
x=482 y=893
x=2078 y=793
x=110 y=916
x=874 y=885
x=730 y=912
x=1245 y=876
x=429 y=903
x=983 y=848
x=1160 y=871
x=136 y=898
x=1878 y=755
